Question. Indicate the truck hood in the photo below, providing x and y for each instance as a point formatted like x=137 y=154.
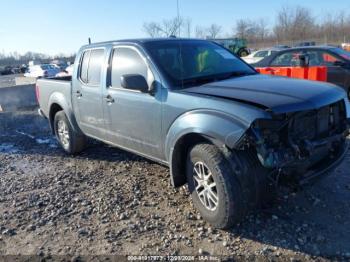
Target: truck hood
x=276 y=94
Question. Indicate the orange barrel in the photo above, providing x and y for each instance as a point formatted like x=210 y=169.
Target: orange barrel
x=282 y=71
x=318 y=73
x=269 y=71
x=264 y=70
x=299 y=72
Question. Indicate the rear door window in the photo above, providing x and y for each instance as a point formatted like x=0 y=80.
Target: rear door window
x=84 y=67
x=95 y=66
x=91 y=67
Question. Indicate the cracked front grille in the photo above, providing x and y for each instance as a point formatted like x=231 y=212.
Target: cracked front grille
x=318 y=124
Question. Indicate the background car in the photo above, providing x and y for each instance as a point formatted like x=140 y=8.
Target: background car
x=44 y=70
x=308 y=43
x=68 y=71
x=281 y=46
x=7 y=70
x=335 y=59
x=259 y=55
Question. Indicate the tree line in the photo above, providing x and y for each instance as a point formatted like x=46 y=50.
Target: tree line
x=292 y=24
x=17 y=59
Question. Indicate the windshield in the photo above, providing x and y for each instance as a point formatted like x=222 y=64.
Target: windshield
x=343 y=53
x=191 y=62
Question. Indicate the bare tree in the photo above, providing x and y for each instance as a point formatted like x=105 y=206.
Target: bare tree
x=335 y=27
x=152 y=29
x=166 y=28
x=294 y=24
x=200 y=32
x=262 y=29
x=242 y=28
x=214 y=30
x=251 y=30
x=172 y=26
x=187 y=25
x=303 y=25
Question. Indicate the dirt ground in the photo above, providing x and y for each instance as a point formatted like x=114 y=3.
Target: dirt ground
x=110 y=202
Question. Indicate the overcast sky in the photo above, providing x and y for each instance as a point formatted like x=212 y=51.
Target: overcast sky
x=53 y=27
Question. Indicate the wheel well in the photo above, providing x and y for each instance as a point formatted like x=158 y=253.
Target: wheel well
x=53 y=111
x=179 y=156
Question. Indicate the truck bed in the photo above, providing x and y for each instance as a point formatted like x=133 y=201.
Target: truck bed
x=53 y=88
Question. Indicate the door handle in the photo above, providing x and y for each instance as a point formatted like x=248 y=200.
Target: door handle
x=79 y=94
x=109 y=99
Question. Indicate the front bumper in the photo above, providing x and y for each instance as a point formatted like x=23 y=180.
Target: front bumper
x=325 y=167
x=41 y=113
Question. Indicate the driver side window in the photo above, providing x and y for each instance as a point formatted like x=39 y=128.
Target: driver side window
x=126 y=61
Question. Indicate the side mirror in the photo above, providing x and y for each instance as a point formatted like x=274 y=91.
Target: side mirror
x=304 y=60
x=134 y=82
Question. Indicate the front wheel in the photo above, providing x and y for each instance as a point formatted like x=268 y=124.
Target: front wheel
x=70 y=141
x=215 y=191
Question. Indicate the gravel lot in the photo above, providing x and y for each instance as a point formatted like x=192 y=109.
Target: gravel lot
x=106 y=201
x=7 y=80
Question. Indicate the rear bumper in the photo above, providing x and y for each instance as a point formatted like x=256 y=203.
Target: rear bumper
x=325 y=168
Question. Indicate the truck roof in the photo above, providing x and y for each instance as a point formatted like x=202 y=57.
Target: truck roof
x=141 y=41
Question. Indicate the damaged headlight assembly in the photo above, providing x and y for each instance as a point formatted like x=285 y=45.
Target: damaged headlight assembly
x=297 y=139
x=268 y=137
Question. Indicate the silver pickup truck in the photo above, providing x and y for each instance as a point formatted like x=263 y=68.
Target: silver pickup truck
x=229 y=133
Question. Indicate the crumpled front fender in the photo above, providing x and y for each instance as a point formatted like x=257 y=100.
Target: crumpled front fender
x=224 y=128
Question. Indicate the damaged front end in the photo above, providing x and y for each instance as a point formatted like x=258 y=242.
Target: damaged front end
x=300 y=145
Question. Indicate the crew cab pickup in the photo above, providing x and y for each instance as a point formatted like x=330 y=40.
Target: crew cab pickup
x=232 y=135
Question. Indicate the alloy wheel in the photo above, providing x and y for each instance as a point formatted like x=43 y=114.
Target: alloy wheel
x=205 y=186
x=63 y=133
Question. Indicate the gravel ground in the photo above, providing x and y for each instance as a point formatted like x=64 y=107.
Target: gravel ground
x=107 y=201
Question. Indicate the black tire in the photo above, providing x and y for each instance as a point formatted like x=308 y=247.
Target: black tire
x=243 y=52
x=258 y=186
x=242 y=184
x=229 y=209
x=76 y=142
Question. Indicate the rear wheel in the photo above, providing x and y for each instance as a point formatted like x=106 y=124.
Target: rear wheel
x=70 y=141
x=243 y=52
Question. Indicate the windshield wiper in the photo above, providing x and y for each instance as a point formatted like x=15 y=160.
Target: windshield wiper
x=214 y=78
x=199 y=80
